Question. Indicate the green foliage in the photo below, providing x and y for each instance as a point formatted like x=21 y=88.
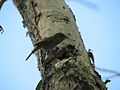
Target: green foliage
x=107 y=81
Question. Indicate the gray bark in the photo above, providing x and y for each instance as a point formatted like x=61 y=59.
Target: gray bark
x=66 y=66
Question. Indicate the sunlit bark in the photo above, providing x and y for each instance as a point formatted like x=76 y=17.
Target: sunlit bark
x=66 y=66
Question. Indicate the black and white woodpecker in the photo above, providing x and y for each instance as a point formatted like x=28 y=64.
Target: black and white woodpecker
x=1 y=3
x=91 y=56
x=48 y=43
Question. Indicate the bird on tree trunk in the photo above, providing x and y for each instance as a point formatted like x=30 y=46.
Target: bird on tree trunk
x=48 y=43
x=91 y=56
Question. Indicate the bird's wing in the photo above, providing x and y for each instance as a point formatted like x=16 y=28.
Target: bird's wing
x=42 y=42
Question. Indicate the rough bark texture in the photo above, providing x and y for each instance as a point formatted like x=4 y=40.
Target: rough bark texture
x=67 y=66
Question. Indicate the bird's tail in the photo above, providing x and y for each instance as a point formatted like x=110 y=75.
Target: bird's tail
x=29 y=56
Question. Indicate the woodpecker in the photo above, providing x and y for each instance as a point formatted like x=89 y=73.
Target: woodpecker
x=48 y=43
x=1 y=3
x=90 y=54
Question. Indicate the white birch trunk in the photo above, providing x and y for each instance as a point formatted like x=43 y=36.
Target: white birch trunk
x=69 y=67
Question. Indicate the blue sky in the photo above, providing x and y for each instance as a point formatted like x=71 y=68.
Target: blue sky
x=98 y=22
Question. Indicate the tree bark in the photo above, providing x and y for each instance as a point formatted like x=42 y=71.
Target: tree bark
x=66 y=66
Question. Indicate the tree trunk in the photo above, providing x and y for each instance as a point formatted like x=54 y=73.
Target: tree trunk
x=67 y=65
